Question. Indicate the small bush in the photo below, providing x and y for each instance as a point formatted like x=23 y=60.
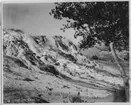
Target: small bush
x=127 y=57
x=76 y=100
x=95 y=57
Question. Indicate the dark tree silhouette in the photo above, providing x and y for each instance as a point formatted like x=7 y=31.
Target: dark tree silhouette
x=98 y=22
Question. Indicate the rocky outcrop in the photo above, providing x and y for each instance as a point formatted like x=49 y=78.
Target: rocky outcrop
x=43 y=69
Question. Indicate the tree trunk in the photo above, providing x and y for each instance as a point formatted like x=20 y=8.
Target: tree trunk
x=123 y=73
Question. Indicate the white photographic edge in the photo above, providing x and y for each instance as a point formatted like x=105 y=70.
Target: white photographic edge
x=51 y=1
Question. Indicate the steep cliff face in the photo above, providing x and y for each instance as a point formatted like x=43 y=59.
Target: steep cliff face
x=51 y=70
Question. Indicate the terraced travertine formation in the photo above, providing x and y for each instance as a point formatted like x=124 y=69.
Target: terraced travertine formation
x=38 y=69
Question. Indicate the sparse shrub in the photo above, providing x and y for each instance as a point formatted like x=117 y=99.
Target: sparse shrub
x=77 y=99
x=95 y=57
x=127 y=57
x=57 y=63
x=18 y=30
x=120 y=95
x=27 y=79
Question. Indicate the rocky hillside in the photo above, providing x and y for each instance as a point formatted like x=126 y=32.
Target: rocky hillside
x=39 y=69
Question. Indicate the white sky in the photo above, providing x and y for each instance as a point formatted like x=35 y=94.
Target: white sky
x=34 y=19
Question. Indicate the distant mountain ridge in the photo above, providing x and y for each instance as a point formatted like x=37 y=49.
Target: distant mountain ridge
x=39 y=41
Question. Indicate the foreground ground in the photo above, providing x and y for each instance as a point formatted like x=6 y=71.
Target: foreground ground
x=40 y=70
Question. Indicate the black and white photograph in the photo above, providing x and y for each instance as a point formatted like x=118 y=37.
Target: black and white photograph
x=66 y=52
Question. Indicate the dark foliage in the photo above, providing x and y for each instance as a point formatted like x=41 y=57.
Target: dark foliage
x=39 y=99
x=96 y=22
x=51 y=69
x=67 y=56
x=27 y=79
x=16 y=30
x=127 y=57
x=95 y=57
x=120 y=96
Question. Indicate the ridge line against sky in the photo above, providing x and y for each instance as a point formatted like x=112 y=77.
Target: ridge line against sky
x=34 y=18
